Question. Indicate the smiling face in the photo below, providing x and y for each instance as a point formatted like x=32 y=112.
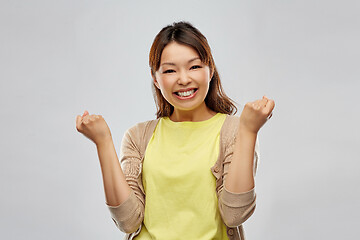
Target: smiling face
x=183 y=79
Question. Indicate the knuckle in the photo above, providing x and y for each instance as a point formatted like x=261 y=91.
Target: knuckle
x=80 y=128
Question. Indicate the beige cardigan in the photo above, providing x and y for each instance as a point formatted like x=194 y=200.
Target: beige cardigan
x=234 y=208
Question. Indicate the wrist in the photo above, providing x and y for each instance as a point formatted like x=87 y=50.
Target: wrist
x=104 y=143
x=243 y=130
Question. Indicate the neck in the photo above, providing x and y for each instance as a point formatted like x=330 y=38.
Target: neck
x=201 y=114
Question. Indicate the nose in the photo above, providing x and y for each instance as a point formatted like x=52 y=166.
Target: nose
x=184 y=78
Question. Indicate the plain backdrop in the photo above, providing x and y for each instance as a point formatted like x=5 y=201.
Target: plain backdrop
x=59 y=58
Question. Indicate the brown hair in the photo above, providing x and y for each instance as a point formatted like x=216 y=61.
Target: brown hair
x=185 y=33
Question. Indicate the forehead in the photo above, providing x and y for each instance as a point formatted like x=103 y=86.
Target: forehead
x=178 y=53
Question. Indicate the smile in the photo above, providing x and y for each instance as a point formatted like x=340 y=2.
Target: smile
x=186 y=94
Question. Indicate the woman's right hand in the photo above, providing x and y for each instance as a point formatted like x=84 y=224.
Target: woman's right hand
x=93 y=127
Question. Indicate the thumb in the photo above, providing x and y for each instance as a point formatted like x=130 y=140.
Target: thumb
x=85 y=113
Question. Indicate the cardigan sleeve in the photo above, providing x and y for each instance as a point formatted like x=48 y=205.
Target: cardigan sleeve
x=236 y=208
x=129 y=215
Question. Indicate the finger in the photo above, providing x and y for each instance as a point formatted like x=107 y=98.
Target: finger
x=255 y=104
x=78 y=121
x=85 y=119
x=260 y=104
x=270 y=106
x=92 y=117
x=263 y=101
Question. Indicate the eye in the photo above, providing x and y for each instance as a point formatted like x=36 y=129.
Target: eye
x=169 y=71
x=195 y=67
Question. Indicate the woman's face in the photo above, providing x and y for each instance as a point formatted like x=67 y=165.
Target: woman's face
x=182 y=78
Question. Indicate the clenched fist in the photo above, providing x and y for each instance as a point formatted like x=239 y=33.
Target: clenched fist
x=93 y=127
x=255 y=114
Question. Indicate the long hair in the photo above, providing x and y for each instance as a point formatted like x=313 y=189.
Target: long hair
x=185 y=33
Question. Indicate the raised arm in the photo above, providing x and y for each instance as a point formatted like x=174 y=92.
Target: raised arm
x=240 y=177
x=237 y=198
x=125 y=208
x=95 y=128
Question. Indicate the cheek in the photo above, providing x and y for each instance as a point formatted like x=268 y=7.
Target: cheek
x=165 y=83
x=203 y=76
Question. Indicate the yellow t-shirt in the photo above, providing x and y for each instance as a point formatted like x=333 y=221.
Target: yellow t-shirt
x=181 y=201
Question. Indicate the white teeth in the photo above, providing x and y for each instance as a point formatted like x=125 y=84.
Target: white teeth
x=187 y=93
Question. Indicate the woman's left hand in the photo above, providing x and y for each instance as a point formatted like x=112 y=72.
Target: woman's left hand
x=255 y=114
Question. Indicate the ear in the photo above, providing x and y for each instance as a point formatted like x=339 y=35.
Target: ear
x=155 y=81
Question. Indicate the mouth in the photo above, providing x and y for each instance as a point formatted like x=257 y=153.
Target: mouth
x=187 y=94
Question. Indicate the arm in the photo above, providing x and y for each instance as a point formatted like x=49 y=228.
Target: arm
x=115 y=186
x=240 y=176
x=126 y=208
x=237 y=198
x=236 y=207
x=129 y=215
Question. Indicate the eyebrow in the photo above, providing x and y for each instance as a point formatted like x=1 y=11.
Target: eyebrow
x=173 y=64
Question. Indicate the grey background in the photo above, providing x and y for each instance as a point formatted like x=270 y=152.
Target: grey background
x=59 y=58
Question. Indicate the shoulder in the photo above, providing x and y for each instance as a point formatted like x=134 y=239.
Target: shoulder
x=229 y=128
x=231 y=121
x=142 y=127
x=140 y=133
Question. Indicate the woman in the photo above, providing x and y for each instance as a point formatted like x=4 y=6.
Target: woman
x=189 y=174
